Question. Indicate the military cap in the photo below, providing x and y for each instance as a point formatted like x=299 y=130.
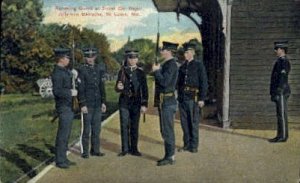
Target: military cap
x=89 y=52
x=62 y=52
x=169 y=46
x=280 y=44
x=131 y=53
x=189 y=46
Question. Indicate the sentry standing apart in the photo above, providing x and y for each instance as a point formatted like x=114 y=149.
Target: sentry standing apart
x=280 y=90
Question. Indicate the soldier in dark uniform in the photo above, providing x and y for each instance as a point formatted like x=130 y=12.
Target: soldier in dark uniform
x=280 y=90
x=133 y=89
x=192 y=88
x=63 y=93
x=165 y=81
x=92 y=102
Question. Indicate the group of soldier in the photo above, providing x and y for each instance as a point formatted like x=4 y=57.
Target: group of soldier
x=87 y=86
x=182 y=86
x=189 y=80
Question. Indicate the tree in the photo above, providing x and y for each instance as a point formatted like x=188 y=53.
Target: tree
x=19 y=43
x=62 y=36
x=27 y=45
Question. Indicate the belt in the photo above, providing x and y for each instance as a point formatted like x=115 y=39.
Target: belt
x=191 y=89
x=194 y=90
x=162 y=95
x=170 y=94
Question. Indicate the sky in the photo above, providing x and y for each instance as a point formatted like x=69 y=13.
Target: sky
x=119 y=19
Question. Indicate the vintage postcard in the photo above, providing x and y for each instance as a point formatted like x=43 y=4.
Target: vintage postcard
x=150 y=91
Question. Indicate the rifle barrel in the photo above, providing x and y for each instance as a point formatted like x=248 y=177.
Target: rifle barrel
x=157 y=47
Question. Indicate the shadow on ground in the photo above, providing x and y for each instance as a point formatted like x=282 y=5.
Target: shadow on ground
x=15 y=159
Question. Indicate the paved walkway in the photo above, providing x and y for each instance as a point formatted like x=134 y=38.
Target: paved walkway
x=224 y=156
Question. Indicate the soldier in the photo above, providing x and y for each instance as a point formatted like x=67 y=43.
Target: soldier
x=63 y=92
x=280 y=90
x=192 y=88
x=132 y=85
x=92 y=102
x=165 y=81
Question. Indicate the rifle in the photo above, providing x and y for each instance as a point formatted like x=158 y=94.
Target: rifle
x=156 y=93
x=122 y=78
x=75 y=103
x=157 y=47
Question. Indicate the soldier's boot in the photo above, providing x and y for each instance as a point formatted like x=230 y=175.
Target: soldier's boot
x=134 y=151
x=184 y=148
x=165 y=161
x=70 y=163
x=85 y=155
x=273 y=140
x=123 y=153
x=97 y=154
x=161 y=159
x=62 y=165
x=193 y=150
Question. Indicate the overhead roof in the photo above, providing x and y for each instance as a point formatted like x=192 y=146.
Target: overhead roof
x=172 y=5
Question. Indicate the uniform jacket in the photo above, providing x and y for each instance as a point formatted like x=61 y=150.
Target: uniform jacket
x=62 y=84
x=91 y=91
x=192 y=74
x=279 y=79
x=135 y=86
x=165 y=81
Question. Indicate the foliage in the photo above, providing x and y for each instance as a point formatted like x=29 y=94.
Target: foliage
x=21 y=48
x=27 y=45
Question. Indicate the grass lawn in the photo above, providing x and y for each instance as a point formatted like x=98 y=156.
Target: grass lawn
x=27 y=136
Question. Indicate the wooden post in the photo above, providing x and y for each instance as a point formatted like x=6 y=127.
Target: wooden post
x=225 y=118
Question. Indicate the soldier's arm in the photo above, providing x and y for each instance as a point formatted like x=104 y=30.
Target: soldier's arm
x=58 y=87
x=144 y=87
x=178 y=79
x=272 y=82
x=179 y=84
x=283 y=75
x=102 y=88
x=203 y=85
x=165 y=78
x=81 y=88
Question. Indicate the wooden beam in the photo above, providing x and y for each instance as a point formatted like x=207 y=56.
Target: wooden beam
x=226 y=85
